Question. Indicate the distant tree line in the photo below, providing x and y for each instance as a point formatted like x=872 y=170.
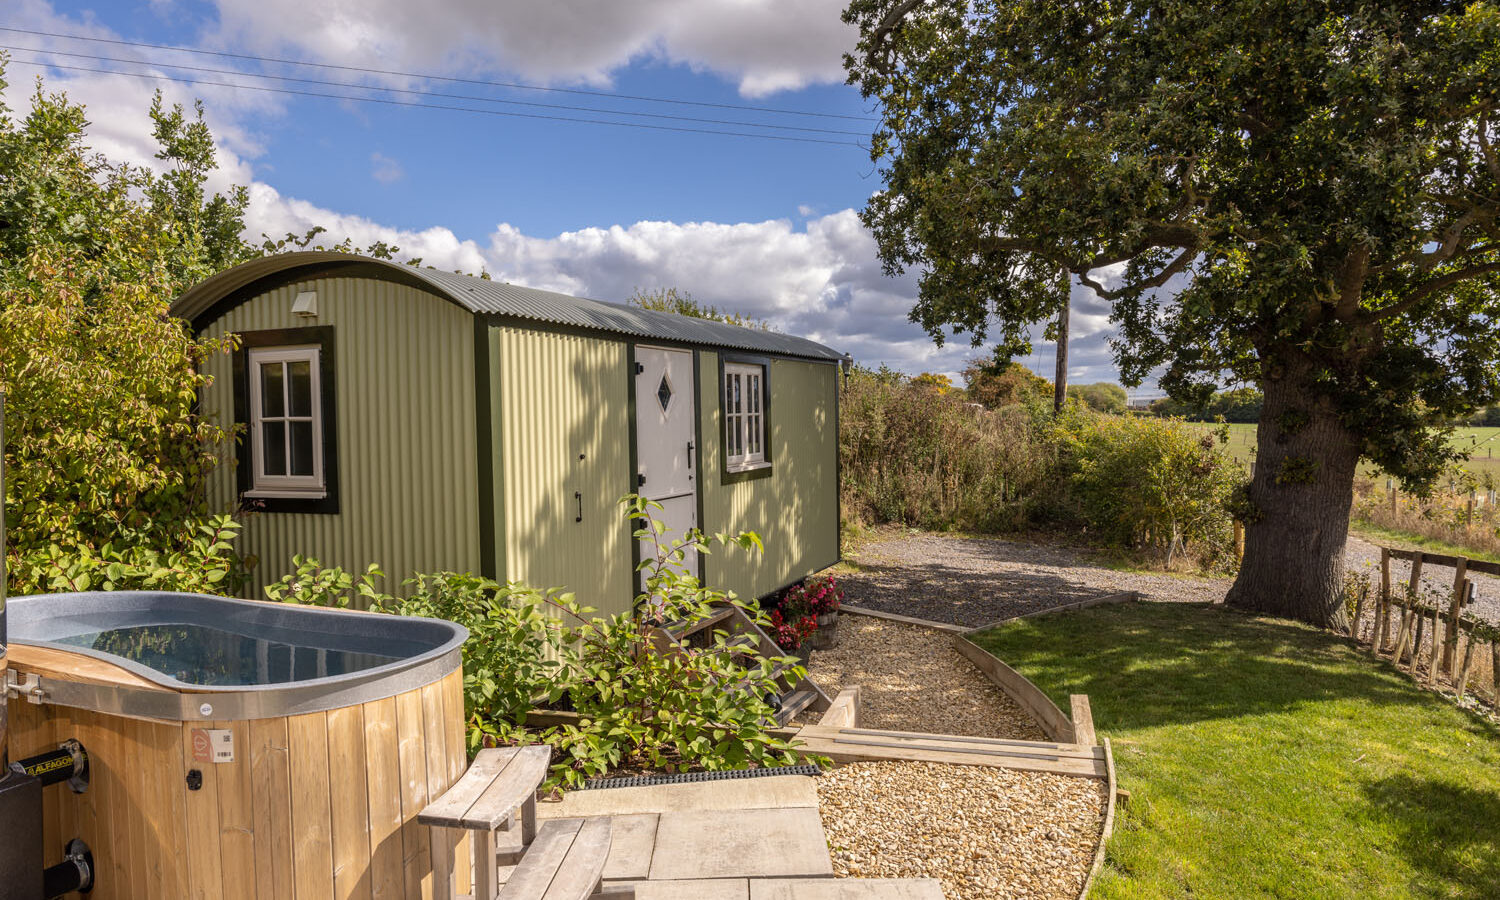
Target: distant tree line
x=1239 y=405
x=994 y=385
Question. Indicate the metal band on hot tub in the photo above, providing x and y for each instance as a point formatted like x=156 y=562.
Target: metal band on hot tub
x=292 y=700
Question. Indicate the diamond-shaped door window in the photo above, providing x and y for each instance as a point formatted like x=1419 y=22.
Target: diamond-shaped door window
x=664 y=393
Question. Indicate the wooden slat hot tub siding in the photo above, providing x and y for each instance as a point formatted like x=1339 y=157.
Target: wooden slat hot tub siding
x=314 y=807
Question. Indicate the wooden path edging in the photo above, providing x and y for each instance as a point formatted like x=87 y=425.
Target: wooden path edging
x=1109 y=821
x=1122 y=597
x=905 y=620
x=1057 y=726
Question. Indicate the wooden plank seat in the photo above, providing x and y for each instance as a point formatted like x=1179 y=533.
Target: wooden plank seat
x=565 y=862
x=499 y=783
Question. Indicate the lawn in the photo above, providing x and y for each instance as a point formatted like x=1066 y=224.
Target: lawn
x=1480 y=443
x=1269 y=759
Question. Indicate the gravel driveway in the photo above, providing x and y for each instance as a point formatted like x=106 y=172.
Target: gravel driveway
x=976 y=581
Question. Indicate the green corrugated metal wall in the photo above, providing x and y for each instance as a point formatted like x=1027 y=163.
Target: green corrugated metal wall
x=796 y=509
x=404 y=383
x=565 y=427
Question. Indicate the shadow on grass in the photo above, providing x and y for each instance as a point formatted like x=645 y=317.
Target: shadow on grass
x=1152 y=664
x=1446 y=831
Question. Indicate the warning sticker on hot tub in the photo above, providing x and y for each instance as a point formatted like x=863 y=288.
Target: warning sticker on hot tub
x=213 y=745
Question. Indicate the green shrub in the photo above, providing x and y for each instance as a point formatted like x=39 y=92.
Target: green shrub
x=202 y=561
x=105 y=455
x=932 y=459
x=1152 y=483
x=638 y=705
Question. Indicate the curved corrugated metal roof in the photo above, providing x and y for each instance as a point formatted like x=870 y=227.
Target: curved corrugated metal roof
x=205 y=302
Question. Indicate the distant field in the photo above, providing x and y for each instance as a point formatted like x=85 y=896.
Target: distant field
x=1480 y=443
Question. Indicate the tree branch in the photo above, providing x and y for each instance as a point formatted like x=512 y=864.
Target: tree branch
x=883 y=30
x=1155 y=281
x=1428 y=288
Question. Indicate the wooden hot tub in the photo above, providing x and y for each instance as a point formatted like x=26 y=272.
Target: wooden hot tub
x=240 y=749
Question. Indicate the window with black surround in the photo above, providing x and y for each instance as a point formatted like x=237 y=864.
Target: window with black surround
x=744 y=404
x=284 y=401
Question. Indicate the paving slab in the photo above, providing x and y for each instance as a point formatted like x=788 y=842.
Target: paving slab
x=846 y=889
x=696 y=889
x=632 y=838
x=765 y=843
x=770 y=792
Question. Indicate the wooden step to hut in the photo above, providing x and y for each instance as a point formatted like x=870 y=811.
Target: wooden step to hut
x=866 y=745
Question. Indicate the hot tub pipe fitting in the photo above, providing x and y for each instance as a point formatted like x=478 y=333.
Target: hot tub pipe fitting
x=74 y=873
x=69 y=762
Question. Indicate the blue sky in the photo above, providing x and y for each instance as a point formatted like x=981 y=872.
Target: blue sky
x=765 y=227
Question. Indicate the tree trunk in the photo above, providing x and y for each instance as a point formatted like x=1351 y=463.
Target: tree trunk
x=1060 y=383
x=1300 y=499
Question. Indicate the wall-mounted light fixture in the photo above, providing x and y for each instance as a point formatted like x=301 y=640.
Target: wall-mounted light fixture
x=306 y=305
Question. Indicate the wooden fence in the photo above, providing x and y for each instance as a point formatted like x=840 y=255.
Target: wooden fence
x=1400 y=620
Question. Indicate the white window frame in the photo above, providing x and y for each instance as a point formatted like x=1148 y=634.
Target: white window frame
x=744 y=404
x=312 y=486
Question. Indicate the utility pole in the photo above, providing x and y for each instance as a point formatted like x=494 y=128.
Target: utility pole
x=1060 y=383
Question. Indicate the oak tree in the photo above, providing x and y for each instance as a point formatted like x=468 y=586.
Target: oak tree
x=1298 y=195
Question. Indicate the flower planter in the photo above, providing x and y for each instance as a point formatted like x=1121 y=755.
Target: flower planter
x=826 y=637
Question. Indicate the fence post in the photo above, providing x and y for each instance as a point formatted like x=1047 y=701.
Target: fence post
x=1382 y=605
x=1239 y=541
x=1401 y=632
x=1432 y=669
x=1468 y=666
x=1460 y=585
x=1359 y=612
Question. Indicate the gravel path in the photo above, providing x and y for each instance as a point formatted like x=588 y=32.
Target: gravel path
x=977 y=581
x=985 y=833
x=913 y=680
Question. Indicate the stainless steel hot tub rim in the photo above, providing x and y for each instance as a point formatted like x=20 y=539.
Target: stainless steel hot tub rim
x=186 y=702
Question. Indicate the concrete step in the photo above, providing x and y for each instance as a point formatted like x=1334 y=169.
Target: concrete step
x=792 y=889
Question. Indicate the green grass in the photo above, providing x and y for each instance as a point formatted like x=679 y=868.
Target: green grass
x=1269 y=759
x=1482 y=445
x=1406 y=540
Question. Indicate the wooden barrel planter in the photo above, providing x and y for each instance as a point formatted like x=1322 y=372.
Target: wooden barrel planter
x=240 y=749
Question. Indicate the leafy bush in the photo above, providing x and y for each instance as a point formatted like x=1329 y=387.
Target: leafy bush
x=202 y=562
x=918 y=457
x=105 y=455
x=639 y=704
x=1151 y=483
x=932 y=459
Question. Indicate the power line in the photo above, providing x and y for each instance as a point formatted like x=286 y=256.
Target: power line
x=411 y=92
x=442 y=106
x=452 y=79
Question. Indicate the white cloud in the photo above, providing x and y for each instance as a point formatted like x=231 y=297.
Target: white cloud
x=764 y=46
x=821 y=280
x=384 y=169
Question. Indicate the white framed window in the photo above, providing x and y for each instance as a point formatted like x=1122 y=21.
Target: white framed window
x=744 y=415
x=286 y=422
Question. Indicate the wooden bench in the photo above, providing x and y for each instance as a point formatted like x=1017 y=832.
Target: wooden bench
x=564 y=860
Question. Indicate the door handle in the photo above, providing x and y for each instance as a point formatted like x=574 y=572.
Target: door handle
x=690 y=455
x=578 y=496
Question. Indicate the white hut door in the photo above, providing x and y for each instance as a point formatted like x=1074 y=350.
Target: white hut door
x=664 y=442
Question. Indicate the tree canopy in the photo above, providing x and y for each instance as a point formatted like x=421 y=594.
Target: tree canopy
x=672 y=300
x=1304 y=196
x=103 y=444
